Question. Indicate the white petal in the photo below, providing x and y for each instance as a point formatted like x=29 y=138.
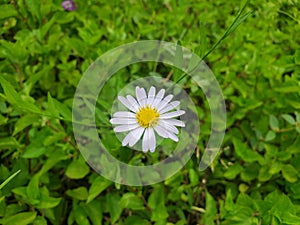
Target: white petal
x=135 y=136
x=141 y=96
x=133 y=102
x=145 y=143
x=126 y=139
x=152 y=140
x=168 y=126
x=164 y=102
x=175 y=122
x=158 y=98
x=126 y=103
x=131 y=135
x=124 y=114
x=123 y=121
x=173 y=137
x=124 y=128
x=151 y=96
x=170 y=106
x=161 y=131
x=172 y=114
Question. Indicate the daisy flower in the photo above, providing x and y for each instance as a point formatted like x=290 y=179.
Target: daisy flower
x=148 y=115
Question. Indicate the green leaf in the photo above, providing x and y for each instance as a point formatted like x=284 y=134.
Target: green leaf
x=9 y=179
x=3 y=120
x=245 y=153
x=94 y=212
x=240 y=19
x=194 y=178
x=63 y=110
x=288 y=89
x=264 y=174
x=113 y=206
x=32 y=190
x=34 y=7
x=15 y=99
x=20 y=219
x=210 y=209
x=290 y=173
x=7 y=10
x=98 y=185
x=54 y=158
x=270 y=135
x=9 y=142
x=156 y=202
x=77 y=169
x=233 y=171
x=178 y=61
x=80 y=193
x=51 y=106
x=229 y=205
x=136 y=220
x=24 y=122
x=47 y=202
x=273 y=121
x=288 y=118
x=131 y=201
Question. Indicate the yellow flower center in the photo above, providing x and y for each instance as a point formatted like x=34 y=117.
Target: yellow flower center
x=147 y=116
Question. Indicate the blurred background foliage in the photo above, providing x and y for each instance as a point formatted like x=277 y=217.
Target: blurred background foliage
x=44 y=51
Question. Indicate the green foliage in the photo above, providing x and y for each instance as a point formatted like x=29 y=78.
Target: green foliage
x=253 y=50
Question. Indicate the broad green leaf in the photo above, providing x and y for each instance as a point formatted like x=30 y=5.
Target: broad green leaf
x=9 y=142
x=233 y=171
x=136 y=220
x=46 y=201
x=113 y=206
x=194 y=178
x=94 y=212
x=81 y=216
x=245 y=153
x=14 y=98
x=288 y=89
x=156 y=202
x=264 y=174
x=55 y=157
x=288 y=118
x=270 y=135
x=7 y=10
x=32 y=190
x=63 y=110
x=98 y=185
x=55 y=138
x=24 y=122
x=40 y=220
x=131 y=201
x=210 y=209
x=80 y=193
x=23 y=218
x=3 y=120
x=290 y=173
x=51 y=106
x=229 y=205
x=77 y=169
x=273 y=121
x=34 y=7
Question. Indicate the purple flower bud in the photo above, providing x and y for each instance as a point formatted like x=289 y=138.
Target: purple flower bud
x=69 y=5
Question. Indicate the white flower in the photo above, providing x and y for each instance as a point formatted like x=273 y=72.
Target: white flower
x=148 y=114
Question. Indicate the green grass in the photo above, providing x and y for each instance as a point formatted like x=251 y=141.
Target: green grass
x=44 y=52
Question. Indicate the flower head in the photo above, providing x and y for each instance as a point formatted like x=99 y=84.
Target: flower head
x=69 y=5
x=148 y=114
